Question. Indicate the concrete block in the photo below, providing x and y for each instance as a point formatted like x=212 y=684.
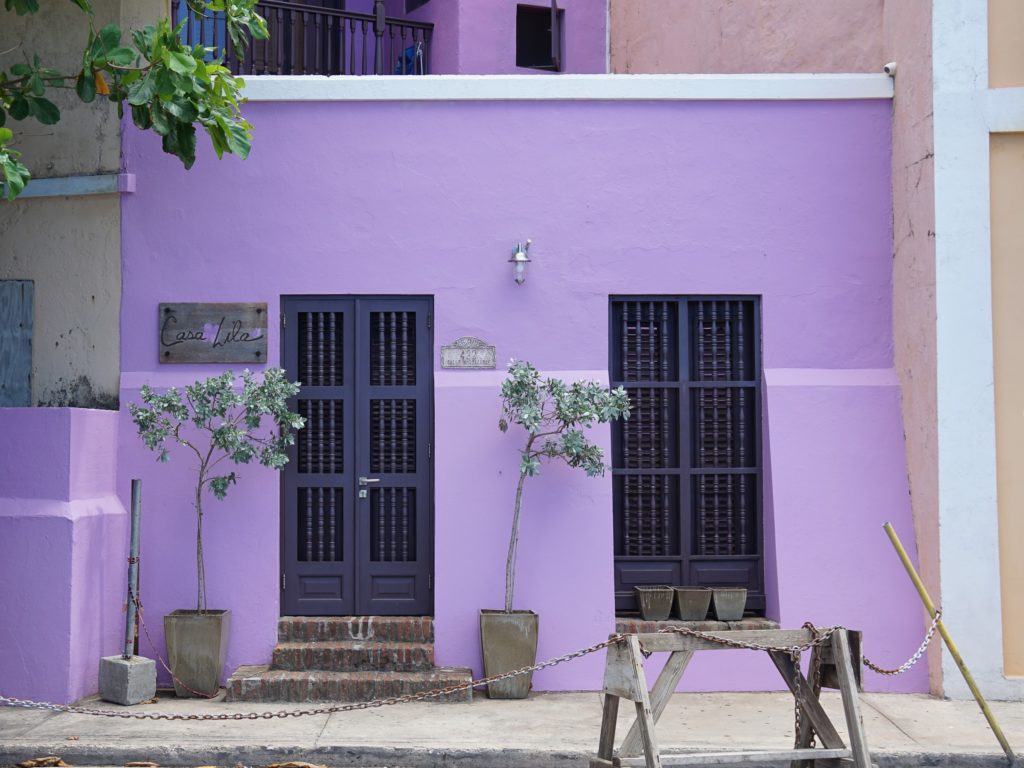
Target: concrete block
x=127 y=681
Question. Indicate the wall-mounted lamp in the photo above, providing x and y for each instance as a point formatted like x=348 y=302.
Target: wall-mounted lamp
x=519 y=259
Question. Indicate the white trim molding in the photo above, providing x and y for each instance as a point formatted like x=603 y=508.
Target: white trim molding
x=773 y=87
x=1005 y=110
x=968 y=511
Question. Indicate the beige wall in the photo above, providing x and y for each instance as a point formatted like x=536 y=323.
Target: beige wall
x=1007 y=190
x=907 y=28
x=726 y=36
x=69 y=246
x=1005 y=43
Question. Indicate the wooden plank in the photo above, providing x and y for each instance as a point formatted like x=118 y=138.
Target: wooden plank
x=606 y=744
x=661 y=694
x=213 y=333
x=619 y=679
x=735 y=758
x=851 y=701
x=16 y=299
x=652 y=642
x=810 y=706
x=644 y=716
x=806 y=733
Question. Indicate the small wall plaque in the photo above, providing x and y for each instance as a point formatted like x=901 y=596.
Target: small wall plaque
x=213 y=333
x=467 y=352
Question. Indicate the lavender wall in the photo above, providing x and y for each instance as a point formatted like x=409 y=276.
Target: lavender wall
x=790 y=201
x=478 y=37
x=63 y=543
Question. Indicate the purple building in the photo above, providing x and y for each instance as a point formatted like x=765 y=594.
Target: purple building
x=719 y=245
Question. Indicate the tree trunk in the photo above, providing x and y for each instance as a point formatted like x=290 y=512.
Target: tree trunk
x=510 y=565
x=200 y=567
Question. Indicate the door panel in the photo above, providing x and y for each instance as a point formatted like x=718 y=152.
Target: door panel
x=356 y=525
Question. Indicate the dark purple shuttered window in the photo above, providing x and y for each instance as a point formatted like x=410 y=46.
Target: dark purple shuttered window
x=686 y=465
x=356 y=520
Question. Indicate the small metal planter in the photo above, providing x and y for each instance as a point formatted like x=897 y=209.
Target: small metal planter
x=692 y=603
x=655 y=602
x=729 y=602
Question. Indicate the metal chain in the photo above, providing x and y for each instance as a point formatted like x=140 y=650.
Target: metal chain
x=436 y=693
x=819 y=637
x=913 y=659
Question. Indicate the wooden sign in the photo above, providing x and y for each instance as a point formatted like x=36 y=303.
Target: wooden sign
x=467 y=352
x=213 y=333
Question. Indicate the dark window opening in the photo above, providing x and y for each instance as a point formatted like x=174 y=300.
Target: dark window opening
x=539 y=37
x=687 y=463
x=412 y=5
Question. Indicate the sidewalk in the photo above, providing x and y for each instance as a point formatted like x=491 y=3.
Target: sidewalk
x=553 y=729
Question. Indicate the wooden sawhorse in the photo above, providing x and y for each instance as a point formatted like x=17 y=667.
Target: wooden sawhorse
x=624 y=679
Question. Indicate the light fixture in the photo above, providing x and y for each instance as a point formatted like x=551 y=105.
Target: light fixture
x=519 y=259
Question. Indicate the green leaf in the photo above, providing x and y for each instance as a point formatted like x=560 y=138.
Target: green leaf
x=185 y=111
x=161 y=124
x=111 y=36
x=85 y=86
x=44 y=110
x=141 y=117
x=20 y=70
x=19 y=108
x=121 y=56
x=143 y=91
x=35 y=84
x=6 y=134
x=181 y=63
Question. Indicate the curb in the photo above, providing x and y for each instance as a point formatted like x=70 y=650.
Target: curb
x=354 y=756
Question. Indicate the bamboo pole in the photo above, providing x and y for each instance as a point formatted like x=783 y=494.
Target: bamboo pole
x=953 y=651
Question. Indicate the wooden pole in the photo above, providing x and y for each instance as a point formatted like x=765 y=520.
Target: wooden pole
x=953 y=651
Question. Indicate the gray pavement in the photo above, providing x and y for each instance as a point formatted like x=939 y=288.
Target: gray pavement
x=552 y=729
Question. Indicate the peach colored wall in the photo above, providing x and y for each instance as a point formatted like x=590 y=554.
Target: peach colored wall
x=1005 y=43
x=718 y=36
x=1007 y=170
x=907 y=28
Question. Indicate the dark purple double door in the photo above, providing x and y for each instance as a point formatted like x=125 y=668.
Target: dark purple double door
x=357 y=526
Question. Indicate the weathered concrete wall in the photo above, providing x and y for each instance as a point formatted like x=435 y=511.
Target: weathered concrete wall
x=722 y=36
x=71 y=248
x=86 y=140
x=907 y=25
x=1007 y=169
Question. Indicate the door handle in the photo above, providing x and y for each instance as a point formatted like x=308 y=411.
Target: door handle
x=368 y=480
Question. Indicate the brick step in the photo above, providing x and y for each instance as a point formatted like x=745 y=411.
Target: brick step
x=260 y=683
x=354 y=656
x=305 y=629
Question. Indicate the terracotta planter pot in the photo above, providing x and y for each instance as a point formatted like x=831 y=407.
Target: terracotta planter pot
x=692 y=603
x=655 y=602
x=509 y=642
x=729 y=602
x=197 y=644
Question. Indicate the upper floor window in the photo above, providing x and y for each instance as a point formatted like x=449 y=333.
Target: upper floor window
x=539 y=36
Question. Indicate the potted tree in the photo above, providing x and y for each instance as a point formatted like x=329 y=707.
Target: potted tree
x=554 y=415
x=214 y=421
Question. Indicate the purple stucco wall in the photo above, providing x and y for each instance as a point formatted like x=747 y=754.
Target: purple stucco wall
x=787 y=200
x=63 y=542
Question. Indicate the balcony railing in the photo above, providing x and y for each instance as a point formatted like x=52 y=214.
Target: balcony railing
x=310 y=40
